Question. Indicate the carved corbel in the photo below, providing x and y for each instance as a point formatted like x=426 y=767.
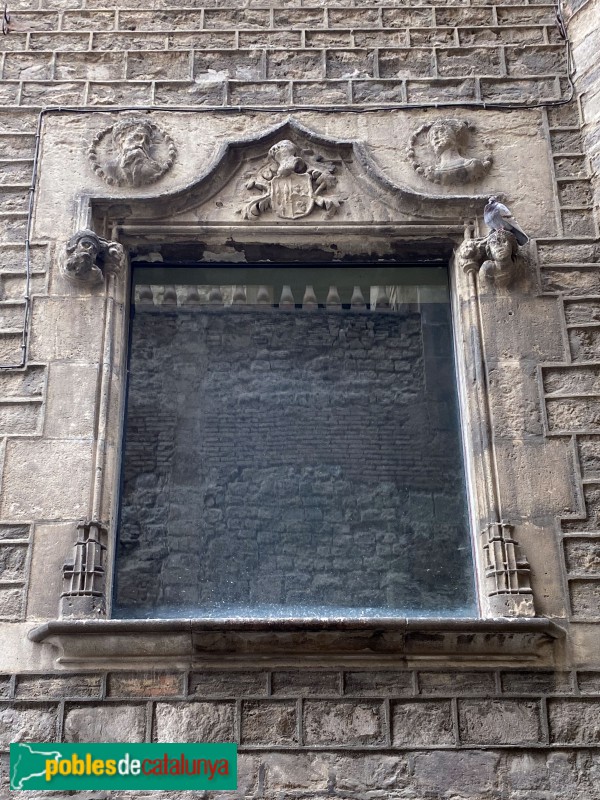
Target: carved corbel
x=88 y=258
x=507 y=573
x=497 y=258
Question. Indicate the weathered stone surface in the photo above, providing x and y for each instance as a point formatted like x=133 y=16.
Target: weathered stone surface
x=499 y=721
x=583 y=556
x=13 y=560
x=109 y=723
x=530 y=682
x=52 y=547
x=578 y=223
x=304 y=683
x=571 y=415
x=585 y=598
x=53 y=336
x=574 y=722
x=227 y=684
x=11 y=602
x=456 y=683
x=378 y=683
x=144 y=684
x=194 y=722
x=575 y=193
x=453 y=771
x=304 y=64
x=25 y=723
x=591 y=496
x=31 y=464
x=269 y=723
x=87 y=66
x=70 y=403
x=571 y=281
x=588 y=682
x=40 y=687
x=359 y=772
x=427 y=723
x=309 y=771
x=338 y=723
x=589 y=455
x=515 y=399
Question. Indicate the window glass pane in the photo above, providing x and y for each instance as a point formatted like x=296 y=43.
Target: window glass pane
x=292 y=446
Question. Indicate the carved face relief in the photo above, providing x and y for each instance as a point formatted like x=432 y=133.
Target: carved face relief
x=439 y=152
x=291 y=186
x=133 y=152
x=87 y=258
x=500 y=247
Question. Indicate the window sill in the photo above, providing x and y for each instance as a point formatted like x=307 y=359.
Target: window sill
x=480 y=642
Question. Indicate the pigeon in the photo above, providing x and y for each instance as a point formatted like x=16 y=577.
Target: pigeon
x=498 y=217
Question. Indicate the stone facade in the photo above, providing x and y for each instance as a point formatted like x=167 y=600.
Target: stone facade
x=151 y=126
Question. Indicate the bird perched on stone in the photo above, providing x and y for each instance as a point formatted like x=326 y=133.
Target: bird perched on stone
x=498 y=217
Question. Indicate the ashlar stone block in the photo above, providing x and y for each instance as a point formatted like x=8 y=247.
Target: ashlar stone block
x=266 y=722
x=194 y=722
x=108 y=723
x=27 y=724
x=574 y=721
x=499 y=721
x=34 y=484
x=66 y=329
x=308 y=771
x=337 y=723
x=422 y=724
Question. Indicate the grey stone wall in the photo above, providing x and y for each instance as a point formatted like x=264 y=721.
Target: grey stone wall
x=293 y=461
x=273 y=54
x=331 y=733
x=351 y=733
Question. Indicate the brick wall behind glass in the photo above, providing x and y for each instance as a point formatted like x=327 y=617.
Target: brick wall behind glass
x=293 y=458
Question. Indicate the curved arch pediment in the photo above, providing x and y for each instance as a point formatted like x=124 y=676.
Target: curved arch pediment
x=335 y=179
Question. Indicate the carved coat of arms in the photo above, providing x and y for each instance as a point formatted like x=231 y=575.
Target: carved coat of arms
x=292 y=186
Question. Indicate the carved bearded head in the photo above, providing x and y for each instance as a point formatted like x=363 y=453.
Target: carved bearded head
x=132 y=140
x=88 y=258
x=81 y=253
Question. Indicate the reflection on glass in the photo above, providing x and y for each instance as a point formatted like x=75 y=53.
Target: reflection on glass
x=292 y=446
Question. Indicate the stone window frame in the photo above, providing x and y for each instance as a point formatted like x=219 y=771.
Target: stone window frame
x=506 y=627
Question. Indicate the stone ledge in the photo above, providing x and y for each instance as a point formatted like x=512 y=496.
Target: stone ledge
x=498 y=642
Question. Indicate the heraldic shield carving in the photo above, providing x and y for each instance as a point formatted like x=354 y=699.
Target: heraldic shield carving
x=291 y=185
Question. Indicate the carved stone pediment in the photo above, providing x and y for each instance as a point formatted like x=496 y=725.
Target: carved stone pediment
x=289 y=174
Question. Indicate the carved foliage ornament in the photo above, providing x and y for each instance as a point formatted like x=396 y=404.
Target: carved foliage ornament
x=439 y=152
x=291 y=184
x=88 y=258
x=133 y=152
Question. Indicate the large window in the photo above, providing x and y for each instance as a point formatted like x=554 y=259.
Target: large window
x=292 y=446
